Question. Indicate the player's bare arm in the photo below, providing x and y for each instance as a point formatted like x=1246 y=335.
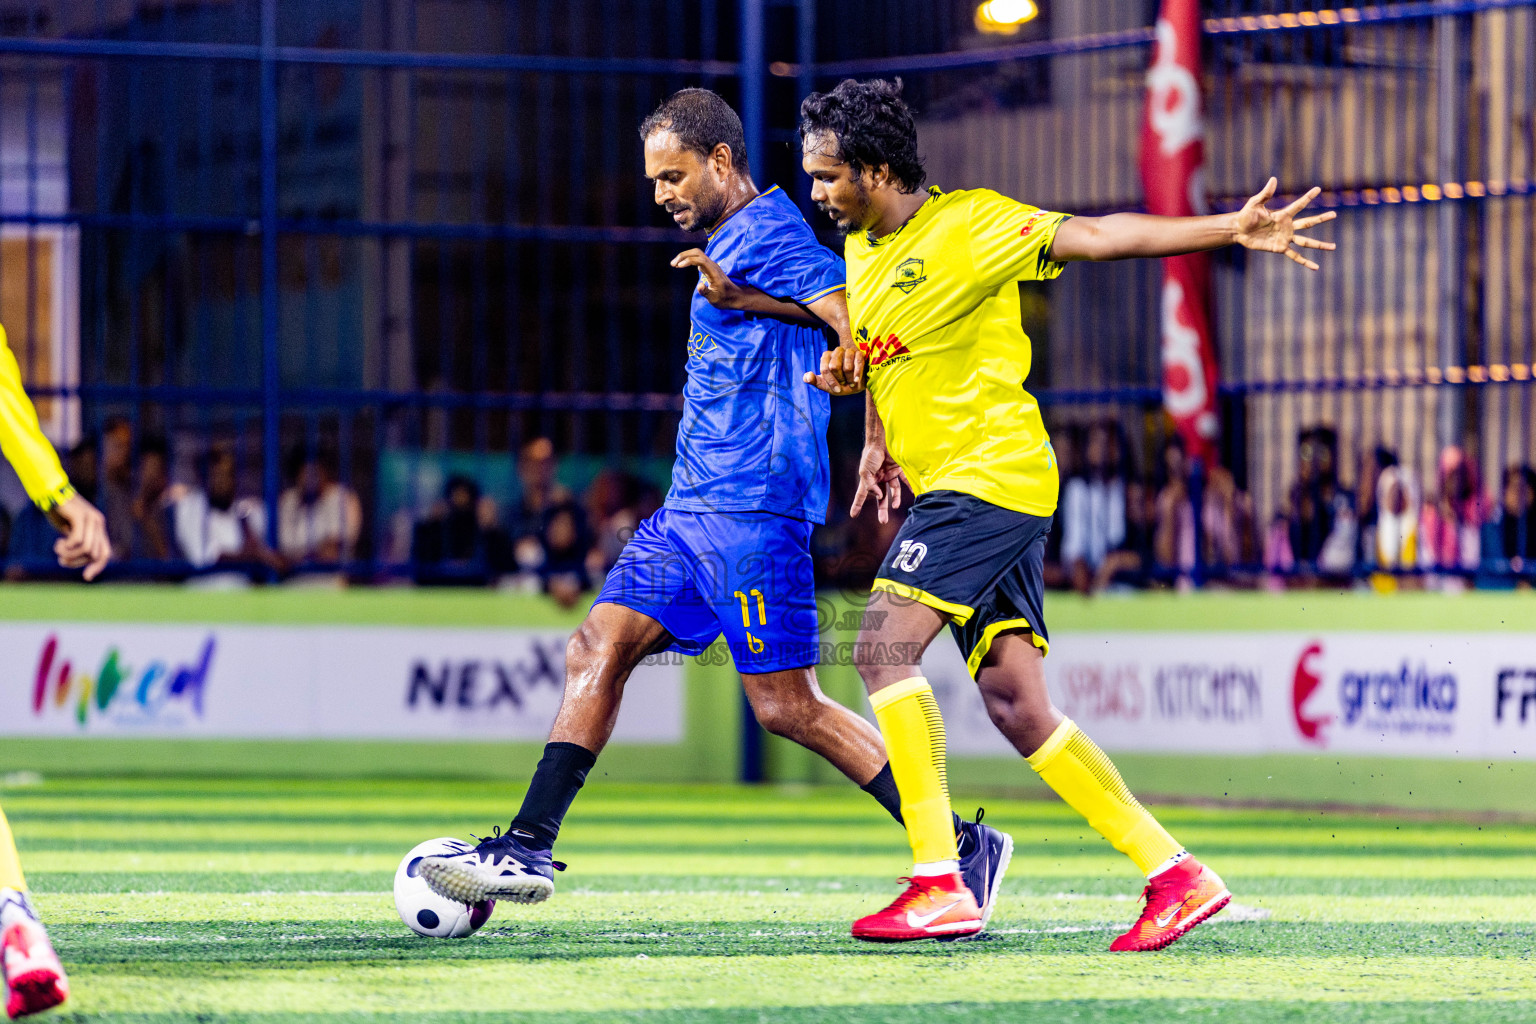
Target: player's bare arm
x=1122 y=236
x=842 y=368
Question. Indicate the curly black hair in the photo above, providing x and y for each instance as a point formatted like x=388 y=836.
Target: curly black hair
x=701 y=120
x=871 y=125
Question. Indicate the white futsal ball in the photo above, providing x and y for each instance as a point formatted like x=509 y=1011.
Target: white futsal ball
x=424 y=911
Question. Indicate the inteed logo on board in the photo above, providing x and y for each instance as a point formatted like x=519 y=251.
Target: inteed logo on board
x=158 y=692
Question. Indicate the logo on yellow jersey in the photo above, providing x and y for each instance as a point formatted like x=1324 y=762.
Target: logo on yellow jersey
x=880 y=349
x=909 y=274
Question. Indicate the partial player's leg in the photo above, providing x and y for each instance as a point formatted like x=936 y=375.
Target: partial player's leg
x=1008 y=659
x=790 y=703
x=33 y=975
x=763 y=593
x=648 y=603
x=518 y=865
x=937 y=901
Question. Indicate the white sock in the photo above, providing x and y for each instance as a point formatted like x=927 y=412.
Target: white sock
x=929 y=868
x=1177 y=858
x=13 y=904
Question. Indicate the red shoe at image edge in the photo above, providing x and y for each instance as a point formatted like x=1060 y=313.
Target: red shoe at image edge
x=32 y=970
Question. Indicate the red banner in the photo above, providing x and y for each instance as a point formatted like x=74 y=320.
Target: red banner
x=1173 y=179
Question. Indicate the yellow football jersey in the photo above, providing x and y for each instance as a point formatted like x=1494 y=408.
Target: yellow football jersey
x=23 y=442
x=935 y=307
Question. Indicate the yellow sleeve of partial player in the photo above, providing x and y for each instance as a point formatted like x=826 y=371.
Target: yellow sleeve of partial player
x=22 y=440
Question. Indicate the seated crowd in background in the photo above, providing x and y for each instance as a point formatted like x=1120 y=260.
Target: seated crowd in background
x=1115 y=528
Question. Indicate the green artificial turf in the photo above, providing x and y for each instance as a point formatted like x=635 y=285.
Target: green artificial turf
x=180 y=900
x=1158 y=611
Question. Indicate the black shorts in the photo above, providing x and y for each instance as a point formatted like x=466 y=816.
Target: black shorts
x=979 y=563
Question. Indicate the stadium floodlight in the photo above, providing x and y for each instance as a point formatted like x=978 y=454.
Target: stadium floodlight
x=1003 y=17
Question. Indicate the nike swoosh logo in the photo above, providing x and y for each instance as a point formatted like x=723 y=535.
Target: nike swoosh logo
x=1163 y=922
x=916 y=920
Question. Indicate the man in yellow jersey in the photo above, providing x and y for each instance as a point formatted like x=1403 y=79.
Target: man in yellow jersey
x=934 y=303
x=34 y=978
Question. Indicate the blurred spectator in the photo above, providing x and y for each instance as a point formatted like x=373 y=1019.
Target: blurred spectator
x=566 y=541
x=1226 y=523
x=153 y=529
x=117 y=484
x=318 y=518
x=1093 y=506
x=1397 y=519
x=1066 y=442
x=460 y=543
x=1226 y=518
x=85 y=469
x=30 y=551
x=1450 y=529
x=5 y=532
x=1371 y=468
x=1320 y=513
x=216 y=527
x=615 y=503
x=1510 y=545
x=1130 y=564
x=540 y=492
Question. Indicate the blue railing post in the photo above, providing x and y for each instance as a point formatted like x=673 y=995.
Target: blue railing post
x=805 y=58
x=270 y=364
x=754 y=69
x=1196 y=508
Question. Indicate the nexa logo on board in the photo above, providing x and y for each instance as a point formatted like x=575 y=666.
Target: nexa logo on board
x=486 y=684
x=1411 y=698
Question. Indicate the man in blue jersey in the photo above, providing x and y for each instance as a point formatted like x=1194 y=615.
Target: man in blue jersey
x=730 y=551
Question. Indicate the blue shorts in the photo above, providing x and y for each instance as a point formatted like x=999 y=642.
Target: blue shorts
x=745 y=574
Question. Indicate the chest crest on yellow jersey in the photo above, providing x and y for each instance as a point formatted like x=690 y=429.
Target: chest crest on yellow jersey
x=909 y=274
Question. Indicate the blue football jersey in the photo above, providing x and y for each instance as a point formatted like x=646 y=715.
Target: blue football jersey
x=753 y=437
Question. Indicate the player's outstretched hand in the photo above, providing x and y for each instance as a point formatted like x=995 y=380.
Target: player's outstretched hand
x=85 y=542
x=1275 y=230
x=842 y=371
x=880 y=479
x=721 y=291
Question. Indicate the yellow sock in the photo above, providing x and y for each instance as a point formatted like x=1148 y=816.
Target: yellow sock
x=914 y=737
x=1080 y=773
x=10 y=862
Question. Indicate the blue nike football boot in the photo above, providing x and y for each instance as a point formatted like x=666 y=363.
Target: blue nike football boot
x=984 y=856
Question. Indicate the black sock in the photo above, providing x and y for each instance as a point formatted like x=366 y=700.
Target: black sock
x=883 y=788
x=556 y=781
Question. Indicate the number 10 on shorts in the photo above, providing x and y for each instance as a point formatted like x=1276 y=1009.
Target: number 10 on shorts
x=909 y=556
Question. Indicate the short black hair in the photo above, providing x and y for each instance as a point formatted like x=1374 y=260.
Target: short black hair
x=872 y=126
x=701 y=120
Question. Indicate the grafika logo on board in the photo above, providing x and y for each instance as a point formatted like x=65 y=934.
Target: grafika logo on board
x=145 y=694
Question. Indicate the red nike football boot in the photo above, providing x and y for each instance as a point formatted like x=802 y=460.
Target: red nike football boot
x=934 y=906
x=1177 y=900
x=32 y=969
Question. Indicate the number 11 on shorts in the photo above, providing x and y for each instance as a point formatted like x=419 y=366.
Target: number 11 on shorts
x=746 y=612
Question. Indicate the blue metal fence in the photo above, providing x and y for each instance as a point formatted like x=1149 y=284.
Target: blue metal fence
x=414 y=234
